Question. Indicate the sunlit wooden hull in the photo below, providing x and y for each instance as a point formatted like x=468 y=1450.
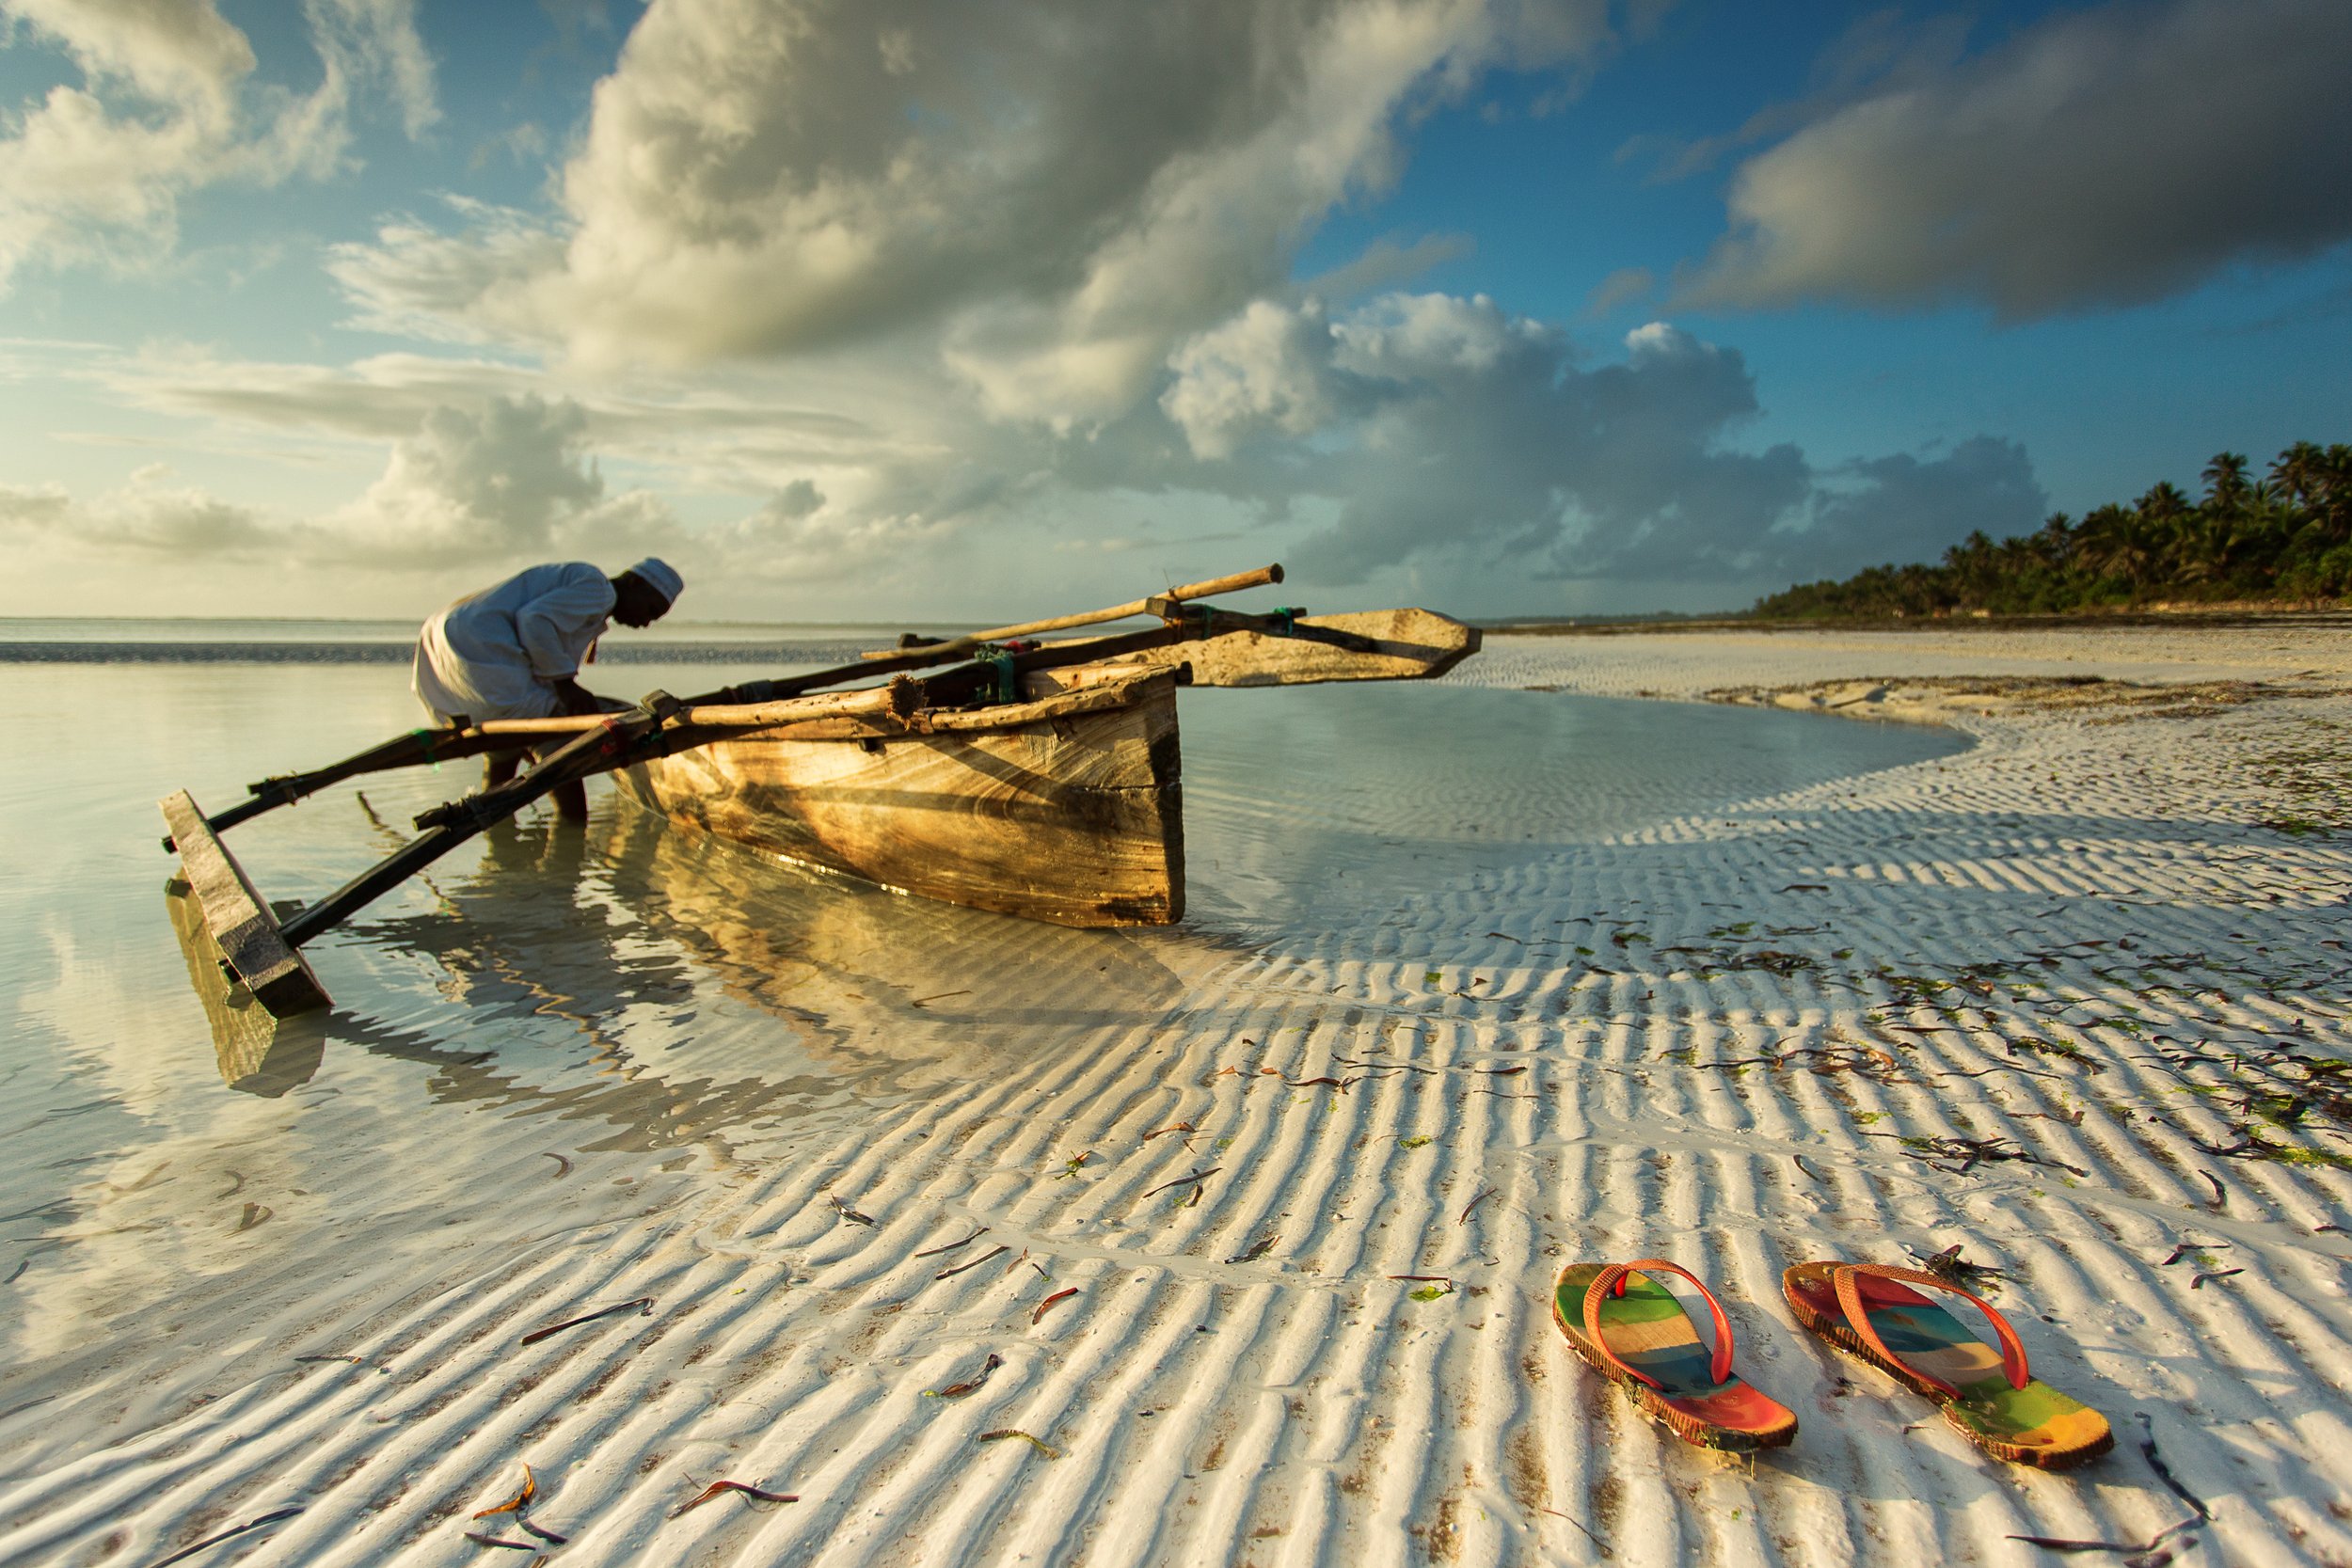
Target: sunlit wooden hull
x=1405 y=645
x=1065 y=807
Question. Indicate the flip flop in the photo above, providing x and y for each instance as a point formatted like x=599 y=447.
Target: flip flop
x=1869 y=1311
x=1633 y=1332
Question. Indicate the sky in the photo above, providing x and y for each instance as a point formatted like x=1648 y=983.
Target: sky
x=981 y=310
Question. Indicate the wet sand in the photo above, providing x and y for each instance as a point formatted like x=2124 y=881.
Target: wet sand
x=2062 y=999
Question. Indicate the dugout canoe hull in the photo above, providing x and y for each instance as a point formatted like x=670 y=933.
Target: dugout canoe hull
x=1064 y=807
x=1403 y=645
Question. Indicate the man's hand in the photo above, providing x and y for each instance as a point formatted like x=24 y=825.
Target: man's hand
x=577 y=698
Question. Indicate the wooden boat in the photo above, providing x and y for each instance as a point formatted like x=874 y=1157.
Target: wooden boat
x=1037 y=780
x=1064 y=806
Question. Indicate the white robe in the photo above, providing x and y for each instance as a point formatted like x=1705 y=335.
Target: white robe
x=497 y=654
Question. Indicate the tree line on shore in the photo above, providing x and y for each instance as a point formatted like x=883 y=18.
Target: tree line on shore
x=2285 y=538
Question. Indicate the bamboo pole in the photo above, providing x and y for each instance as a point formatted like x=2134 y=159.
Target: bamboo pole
x=896 y=700
x=1234 y=584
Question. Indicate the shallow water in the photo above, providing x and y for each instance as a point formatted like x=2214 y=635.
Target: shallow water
x=1322 y=802
x=625 y=1003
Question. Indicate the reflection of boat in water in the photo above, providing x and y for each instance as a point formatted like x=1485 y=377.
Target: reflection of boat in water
x=866 y=972
x=832 y=986
x=259 y=1055
x=559 y=964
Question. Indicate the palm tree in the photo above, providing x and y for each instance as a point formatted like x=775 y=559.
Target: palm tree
x=2055 y=544
x=2163 y=499
x=2210 y=548
x=2110 y=543
x=2331 y=490
x=2288 y=536
x=2296 y=472
x=2225 y=482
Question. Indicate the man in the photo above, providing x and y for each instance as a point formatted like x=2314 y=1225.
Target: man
x=515 y=651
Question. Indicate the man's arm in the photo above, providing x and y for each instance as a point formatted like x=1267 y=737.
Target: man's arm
x=557 y=627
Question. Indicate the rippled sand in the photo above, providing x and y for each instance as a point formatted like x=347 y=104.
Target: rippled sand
x=2060 y=998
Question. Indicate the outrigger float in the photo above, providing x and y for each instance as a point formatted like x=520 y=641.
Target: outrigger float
x=1038 y=779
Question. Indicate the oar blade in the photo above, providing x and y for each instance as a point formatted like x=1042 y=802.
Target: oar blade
x=276 y=975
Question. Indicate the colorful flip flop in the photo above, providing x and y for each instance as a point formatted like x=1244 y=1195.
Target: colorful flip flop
x=1632 y=1331
x=1869 y=1311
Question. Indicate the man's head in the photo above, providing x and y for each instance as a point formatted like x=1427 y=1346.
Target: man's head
x=644 y=592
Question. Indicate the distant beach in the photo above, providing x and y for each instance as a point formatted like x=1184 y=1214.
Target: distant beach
x=646 y=1164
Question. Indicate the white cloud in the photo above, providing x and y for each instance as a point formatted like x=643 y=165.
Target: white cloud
x=790 y=540
x=2105 y=157
x=744 y=438
x=1050 y=194
x=1404 y=338
x=498 y=484
x=148 y=516
x=381 y=398
x=95 y=174
x=1263 y=368
x=485 y=484
x=375 y=43
x=1451 y=434
x=1621 y=287
x=169 y=51
x=1386 y=265
x=798 y=499
x=1887 y=511
x=416 y=281
x=1426 y=436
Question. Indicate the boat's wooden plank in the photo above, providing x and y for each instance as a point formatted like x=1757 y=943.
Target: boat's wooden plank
x=1059 y=810
x=1093 y=690
x=276 y=975
x=1413 y=644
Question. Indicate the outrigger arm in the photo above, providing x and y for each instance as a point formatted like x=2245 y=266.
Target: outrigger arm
x=266 y=955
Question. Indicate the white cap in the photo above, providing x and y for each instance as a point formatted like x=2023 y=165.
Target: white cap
x=660 y=577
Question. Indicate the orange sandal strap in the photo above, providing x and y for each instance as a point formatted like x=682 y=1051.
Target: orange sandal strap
x=1611 y=1281
x=1847 y=1280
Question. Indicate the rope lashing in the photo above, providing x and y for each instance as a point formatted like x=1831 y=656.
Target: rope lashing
x=1003 y=658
